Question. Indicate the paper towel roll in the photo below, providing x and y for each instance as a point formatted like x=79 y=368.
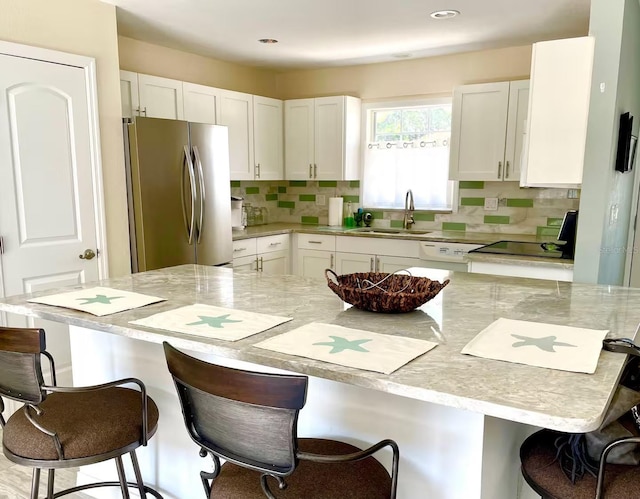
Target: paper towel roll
x=335 y=211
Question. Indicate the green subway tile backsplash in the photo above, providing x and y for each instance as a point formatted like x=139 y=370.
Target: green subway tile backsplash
x=282 y=189
x=547 y=231
x=520 y=203
x=351 y=199
x=354 y=184
x=396 y=224
x=286 y=204
x=297 y=183
x=424 y=217
x=496 y=219
x=309 y=220
x=235 y=183
x=252 y=190
x=471 y=201
x=554 y=222
x=377 y=214
x=454 y=226
x=471 y=184
x=328 y=183
x=307 y=197
x=271 y=197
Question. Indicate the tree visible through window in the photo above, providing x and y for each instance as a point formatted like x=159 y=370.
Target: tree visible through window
x=408 y=148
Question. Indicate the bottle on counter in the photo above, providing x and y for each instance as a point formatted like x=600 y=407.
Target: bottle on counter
x=349 y=221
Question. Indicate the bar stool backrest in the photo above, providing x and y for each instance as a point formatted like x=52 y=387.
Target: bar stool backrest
x=20 y=367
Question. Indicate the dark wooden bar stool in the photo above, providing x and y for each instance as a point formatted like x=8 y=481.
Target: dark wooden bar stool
x=64 y=427
x=541 y=470
x=249 y=419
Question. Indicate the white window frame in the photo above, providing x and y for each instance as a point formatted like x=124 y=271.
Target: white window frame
x=367 y=107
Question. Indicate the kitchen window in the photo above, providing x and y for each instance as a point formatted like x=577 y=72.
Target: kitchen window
x=407 y=147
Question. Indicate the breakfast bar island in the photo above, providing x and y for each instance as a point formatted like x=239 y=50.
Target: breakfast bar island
x=458 y=419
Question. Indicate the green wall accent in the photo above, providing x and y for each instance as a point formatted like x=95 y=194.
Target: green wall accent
x=547 y=231
x=351 y=199
x=307 y=197
x=271 y=197
x=376 y=214
x=252 y=190
x=354 y=184
x=286 y=204
x=235 y=183
x=471 y=201
x=396 y=224
x=282 y=189
x=496 y=219
x=454 y=226
x=554 y=222
x=424 y=217
x=520 y=203
x=471 y=184
x=328 y=183
x=297 y=183
x=309 y=220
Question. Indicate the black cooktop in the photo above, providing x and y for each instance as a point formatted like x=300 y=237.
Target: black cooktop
x=545 y=250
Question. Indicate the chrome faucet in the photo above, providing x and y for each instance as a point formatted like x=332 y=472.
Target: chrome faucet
x=408 y=220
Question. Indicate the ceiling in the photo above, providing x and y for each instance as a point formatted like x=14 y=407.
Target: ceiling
x=322 y=33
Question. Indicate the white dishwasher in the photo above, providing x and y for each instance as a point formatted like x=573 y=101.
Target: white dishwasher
x=445 y=255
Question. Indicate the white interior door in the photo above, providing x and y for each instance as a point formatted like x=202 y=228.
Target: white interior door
x=47 y=205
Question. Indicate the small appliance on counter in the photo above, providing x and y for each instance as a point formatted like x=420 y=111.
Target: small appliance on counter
x=238 y=220
x=564 y=248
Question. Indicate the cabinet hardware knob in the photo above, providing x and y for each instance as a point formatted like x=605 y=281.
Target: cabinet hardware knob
x=315 y=171
x=499 y=169
x=506 y=170
x=310 y=170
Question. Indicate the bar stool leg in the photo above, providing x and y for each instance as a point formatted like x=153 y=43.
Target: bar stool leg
x=50 y=480
x=136 y=470
x=35 y=483
x=122 y=477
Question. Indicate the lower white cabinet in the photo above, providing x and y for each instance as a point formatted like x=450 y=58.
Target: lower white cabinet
x=269 y=254
x=360 y=254
x=314 y=254
x=347 y=263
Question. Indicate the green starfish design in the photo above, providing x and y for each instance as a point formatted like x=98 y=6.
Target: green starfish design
x=99 y=299
x=212 y=321
x=547 y=343
x=340 y=344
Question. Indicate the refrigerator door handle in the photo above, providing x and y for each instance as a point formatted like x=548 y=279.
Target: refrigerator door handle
x=196 y=153
x=187 y=163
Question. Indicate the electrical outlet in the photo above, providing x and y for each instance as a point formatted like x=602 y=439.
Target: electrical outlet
x=491 y=204
x=320 y=199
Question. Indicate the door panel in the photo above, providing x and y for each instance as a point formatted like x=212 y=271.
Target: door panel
x=47 y=210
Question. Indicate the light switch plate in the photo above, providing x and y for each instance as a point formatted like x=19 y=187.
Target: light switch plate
x=491 y=204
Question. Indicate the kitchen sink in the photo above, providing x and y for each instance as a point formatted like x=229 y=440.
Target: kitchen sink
x=375 y=230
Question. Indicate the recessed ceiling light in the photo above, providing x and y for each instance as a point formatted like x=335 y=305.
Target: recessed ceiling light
x=444 y=14
x=268 y=40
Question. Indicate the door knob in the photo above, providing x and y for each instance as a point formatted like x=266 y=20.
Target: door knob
x=88 y=254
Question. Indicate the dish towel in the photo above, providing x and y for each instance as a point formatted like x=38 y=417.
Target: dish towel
x=348 y=347
x=98 y=301
x=537 y=344
x=212 y=322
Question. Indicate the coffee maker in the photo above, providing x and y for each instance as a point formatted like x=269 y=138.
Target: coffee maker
x=567 y=234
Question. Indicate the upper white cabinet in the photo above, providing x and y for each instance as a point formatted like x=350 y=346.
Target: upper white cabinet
x=558 y=112
x=487 y=131
x=150 y=96
x=235 y=110
x=200 y=103
x=267 y=138
x=322 y=138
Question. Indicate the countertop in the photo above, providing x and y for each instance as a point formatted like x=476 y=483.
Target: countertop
x=451 y=236
x=542 y=397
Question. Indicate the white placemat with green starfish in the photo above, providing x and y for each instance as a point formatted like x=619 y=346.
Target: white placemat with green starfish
x=537 y=344
x=349 y=347
x=98 y=301
x=212 y=322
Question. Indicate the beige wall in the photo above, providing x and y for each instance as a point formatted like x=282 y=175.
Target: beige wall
x=142 y=57
x=429 y=76
x=85 y=27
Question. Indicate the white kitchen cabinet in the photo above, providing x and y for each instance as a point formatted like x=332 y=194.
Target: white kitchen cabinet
x=322 y=138
x=268 y=141
x=269 y=254
x=150 y=96
x=487 y=131
x=200 y=103
x=360 y=254
x=235 y=110
x=558 y=112
x=315 y=253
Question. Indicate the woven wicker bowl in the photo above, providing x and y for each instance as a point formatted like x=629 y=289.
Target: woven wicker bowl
x=380 y=292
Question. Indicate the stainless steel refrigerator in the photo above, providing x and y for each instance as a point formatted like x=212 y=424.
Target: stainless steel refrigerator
x=179 y=193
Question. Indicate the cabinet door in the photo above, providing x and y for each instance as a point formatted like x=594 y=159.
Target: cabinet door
x=245 y=263
x=313 y=263
x=478 y=128
x=235 y=110
x=516 y=126
x=329 y=138
x=275 y=262
x=558 y=112
x=299 y=138
x=348 y=263
x=129 y=94
x=200 y=103
x=160 y=97
x=392 y=264
x=267 y=138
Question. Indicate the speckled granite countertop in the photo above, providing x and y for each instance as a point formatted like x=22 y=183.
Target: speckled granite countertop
x=542 y=397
